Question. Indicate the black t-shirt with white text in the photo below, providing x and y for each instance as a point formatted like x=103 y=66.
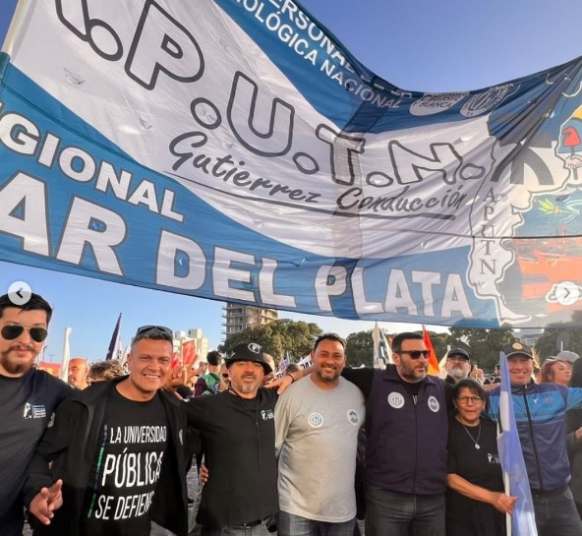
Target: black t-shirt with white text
x=124 y=475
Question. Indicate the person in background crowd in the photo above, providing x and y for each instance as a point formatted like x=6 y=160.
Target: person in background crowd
x=537 y=375
x=271 y=362
x=558 y=369
x=238 y=433
x=103 y=371
x=542 y=433
x=458 y=365
x=224 y=381
x=321 y=413
x=574 y=430
x=476 y=503
x=209 y=383
x=28 y=398
x=78 y=370
x=117 y=449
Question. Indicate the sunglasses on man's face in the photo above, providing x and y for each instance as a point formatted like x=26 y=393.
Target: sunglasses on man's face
x=155 y=330
x=416 y=354
x=13 y=331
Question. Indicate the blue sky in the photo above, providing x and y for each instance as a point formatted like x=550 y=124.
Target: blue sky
x=415 y=44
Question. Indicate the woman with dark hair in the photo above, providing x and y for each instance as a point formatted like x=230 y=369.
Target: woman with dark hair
x=574 y=429
x=476 y=503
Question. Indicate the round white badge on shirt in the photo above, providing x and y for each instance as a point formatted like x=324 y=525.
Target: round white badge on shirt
x=353 y=417
x=395 y=400
x=315 y=420
x=433 y=404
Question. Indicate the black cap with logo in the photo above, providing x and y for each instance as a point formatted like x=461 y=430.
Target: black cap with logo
x=462 y=352
x=249 y=352
x=517 y=348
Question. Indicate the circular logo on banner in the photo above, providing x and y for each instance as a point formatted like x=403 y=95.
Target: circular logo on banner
x=435 y=103
x=433 y=404
x=487 y=100
x=315 y=420
x=353 y=417
x=395 y=400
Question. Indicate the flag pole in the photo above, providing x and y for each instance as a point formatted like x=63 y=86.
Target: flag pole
x=66 y=356
x=20 y=20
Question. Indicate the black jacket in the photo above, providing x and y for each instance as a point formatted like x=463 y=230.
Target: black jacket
x=70 y=447
x=239 y=445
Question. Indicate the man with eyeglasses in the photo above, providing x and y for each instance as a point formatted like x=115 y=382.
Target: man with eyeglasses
x=117 y=449
x=406 y=447
x=28 y=397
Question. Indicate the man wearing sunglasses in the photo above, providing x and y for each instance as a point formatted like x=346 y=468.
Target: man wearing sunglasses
x=28 y=397
x=406 y=456
x=118 y=449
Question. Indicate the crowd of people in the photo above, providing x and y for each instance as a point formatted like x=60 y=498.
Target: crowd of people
x=329 y=450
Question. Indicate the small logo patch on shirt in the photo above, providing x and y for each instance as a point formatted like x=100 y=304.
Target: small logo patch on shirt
x=315 y=420
x=267 y=414
x=353 y=417
x=34 y=411
x=433 y=404
x=493 y=458
x=395 y=400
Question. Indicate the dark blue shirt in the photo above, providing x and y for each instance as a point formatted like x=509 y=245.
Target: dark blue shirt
x=26 y=406
x=406 y=428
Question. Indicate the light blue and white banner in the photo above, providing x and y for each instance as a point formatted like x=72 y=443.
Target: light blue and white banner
x=234 y=150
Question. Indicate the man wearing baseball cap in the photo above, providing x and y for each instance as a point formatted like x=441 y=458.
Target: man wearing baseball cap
x=540 y=411
x=238 y=433
x=458 y=365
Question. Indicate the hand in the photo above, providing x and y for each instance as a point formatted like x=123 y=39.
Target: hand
x=503 y=503
x=578 y=434
x=478 y=375
x=281 y=384
x=572 y=162
x=46 y=501
x=204 y=474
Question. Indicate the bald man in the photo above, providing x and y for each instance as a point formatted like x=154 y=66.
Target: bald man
x=78 y=370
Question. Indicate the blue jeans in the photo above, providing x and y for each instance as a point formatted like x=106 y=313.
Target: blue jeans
x=256 y=530
x=400 y=514
x=294 y=525
x=556 y=514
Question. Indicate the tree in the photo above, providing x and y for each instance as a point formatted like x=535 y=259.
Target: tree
x=484 y=344
x=278 y=338
x=563 y=335
x=360 y=349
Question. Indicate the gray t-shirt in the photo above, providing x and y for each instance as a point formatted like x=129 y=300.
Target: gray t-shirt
x=316 y=440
